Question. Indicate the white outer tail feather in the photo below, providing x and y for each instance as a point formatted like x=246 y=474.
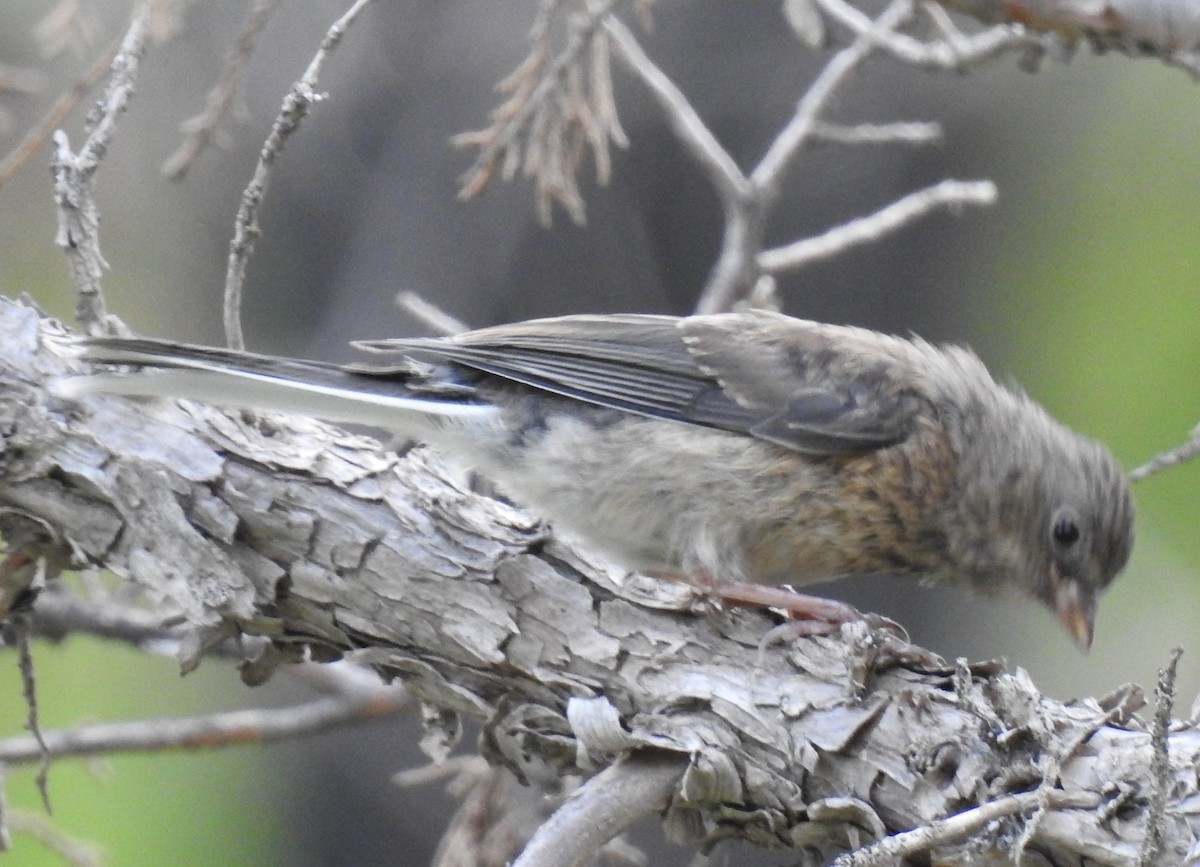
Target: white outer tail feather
x=414 y=416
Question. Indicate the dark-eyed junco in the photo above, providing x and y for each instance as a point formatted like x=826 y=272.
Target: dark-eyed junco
x=741 y=447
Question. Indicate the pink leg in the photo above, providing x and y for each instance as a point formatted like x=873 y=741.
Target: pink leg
x=801 y=606
x=812 y=615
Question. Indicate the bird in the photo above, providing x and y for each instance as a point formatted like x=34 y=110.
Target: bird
x=740 y=450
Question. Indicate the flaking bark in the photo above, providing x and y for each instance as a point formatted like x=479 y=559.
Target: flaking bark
x=292 y=529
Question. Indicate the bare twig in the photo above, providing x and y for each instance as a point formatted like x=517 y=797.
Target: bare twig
x=102 y=119
x=864 y=230
x=1168 y=29
x=20 y=623
x=890 y=850
x=68 y=24
x=913 y=133
x=768 y=174
x=1050 y=767
x=78 y=217
x=233 y=728
x=246 y=233
x=737 y=270
x=201 y=130
x=1175 y=456
x=1160 y=763
x=723 y=172
x=75 y=852
x=747 y=201
x=497 y=815
x=60 y=613
x=744 y=211
x=954 y=54
x=37 y=135
x=630 y=788
x=433 y=317
x=18 y=79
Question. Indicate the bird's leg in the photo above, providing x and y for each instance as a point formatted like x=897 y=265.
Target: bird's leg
x=799 y=606
x=813 y=615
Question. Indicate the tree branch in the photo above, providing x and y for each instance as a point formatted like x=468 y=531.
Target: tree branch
x=203 y=129
x=1178 y=455
x=78 y=217
x=37 y=134
x=297 y=532
x=231 y=728
x=607 y=805
x=865 y=230
x=1168 y=29
x=295 y=108
x=727 y=179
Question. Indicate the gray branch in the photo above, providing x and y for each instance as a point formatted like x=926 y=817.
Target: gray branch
x=298 y=532
x=608 y=804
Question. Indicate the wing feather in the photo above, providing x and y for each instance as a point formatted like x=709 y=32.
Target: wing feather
x=779 y=379
x=813 y=388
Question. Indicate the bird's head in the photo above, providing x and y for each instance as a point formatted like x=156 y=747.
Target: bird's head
x=1053 y=512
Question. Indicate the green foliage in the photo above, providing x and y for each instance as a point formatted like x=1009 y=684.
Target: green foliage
x=201 y=808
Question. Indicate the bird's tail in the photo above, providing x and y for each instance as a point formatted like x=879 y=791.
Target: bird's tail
x=404 y=397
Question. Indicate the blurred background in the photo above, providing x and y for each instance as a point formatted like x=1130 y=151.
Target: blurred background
x=1082 y=284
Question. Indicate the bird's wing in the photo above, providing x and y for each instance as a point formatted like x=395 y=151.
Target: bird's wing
x=805 y=386
x=151 y=354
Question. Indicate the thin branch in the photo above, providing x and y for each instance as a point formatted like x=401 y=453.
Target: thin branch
x=955 y=54
x=42 y=130
x=21 y=626
x=1168 y=29
x=60 y=613
x=1160 y=764
x=202 y=129
x=737 y=269
x=864 y=230
x=431 y=316
x=497 y=814
x=890 y=850
x=606 y=805
x=1174 y=457
x=18 y=79
x=101 y=122
x=78 y=217
x=912 y=133
x=233 y=728
x=295 y=108
x=728 y=180
x=68 y=24
x=76 y=852
x=768 y=174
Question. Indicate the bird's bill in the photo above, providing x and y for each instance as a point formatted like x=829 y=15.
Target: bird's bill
x=1076 y=609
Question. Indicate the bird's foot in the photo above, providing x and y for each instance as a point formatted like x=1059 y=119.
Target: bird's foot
x=801 y=607
x=808 y=615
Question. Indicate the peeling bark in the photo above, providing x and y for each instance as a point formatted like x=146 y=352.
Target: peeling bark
x=294 y=530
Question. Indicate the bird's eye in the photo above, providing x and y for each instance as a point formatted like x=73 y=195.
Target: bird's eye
x=1065 y=531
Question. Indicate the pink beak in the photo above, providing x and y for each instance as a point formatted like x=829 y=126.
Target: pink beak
x=1076 y=612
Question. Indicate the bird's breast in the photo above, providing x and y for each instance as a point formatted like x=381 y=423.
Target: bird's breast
x=665 y=496
x=875 y=512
